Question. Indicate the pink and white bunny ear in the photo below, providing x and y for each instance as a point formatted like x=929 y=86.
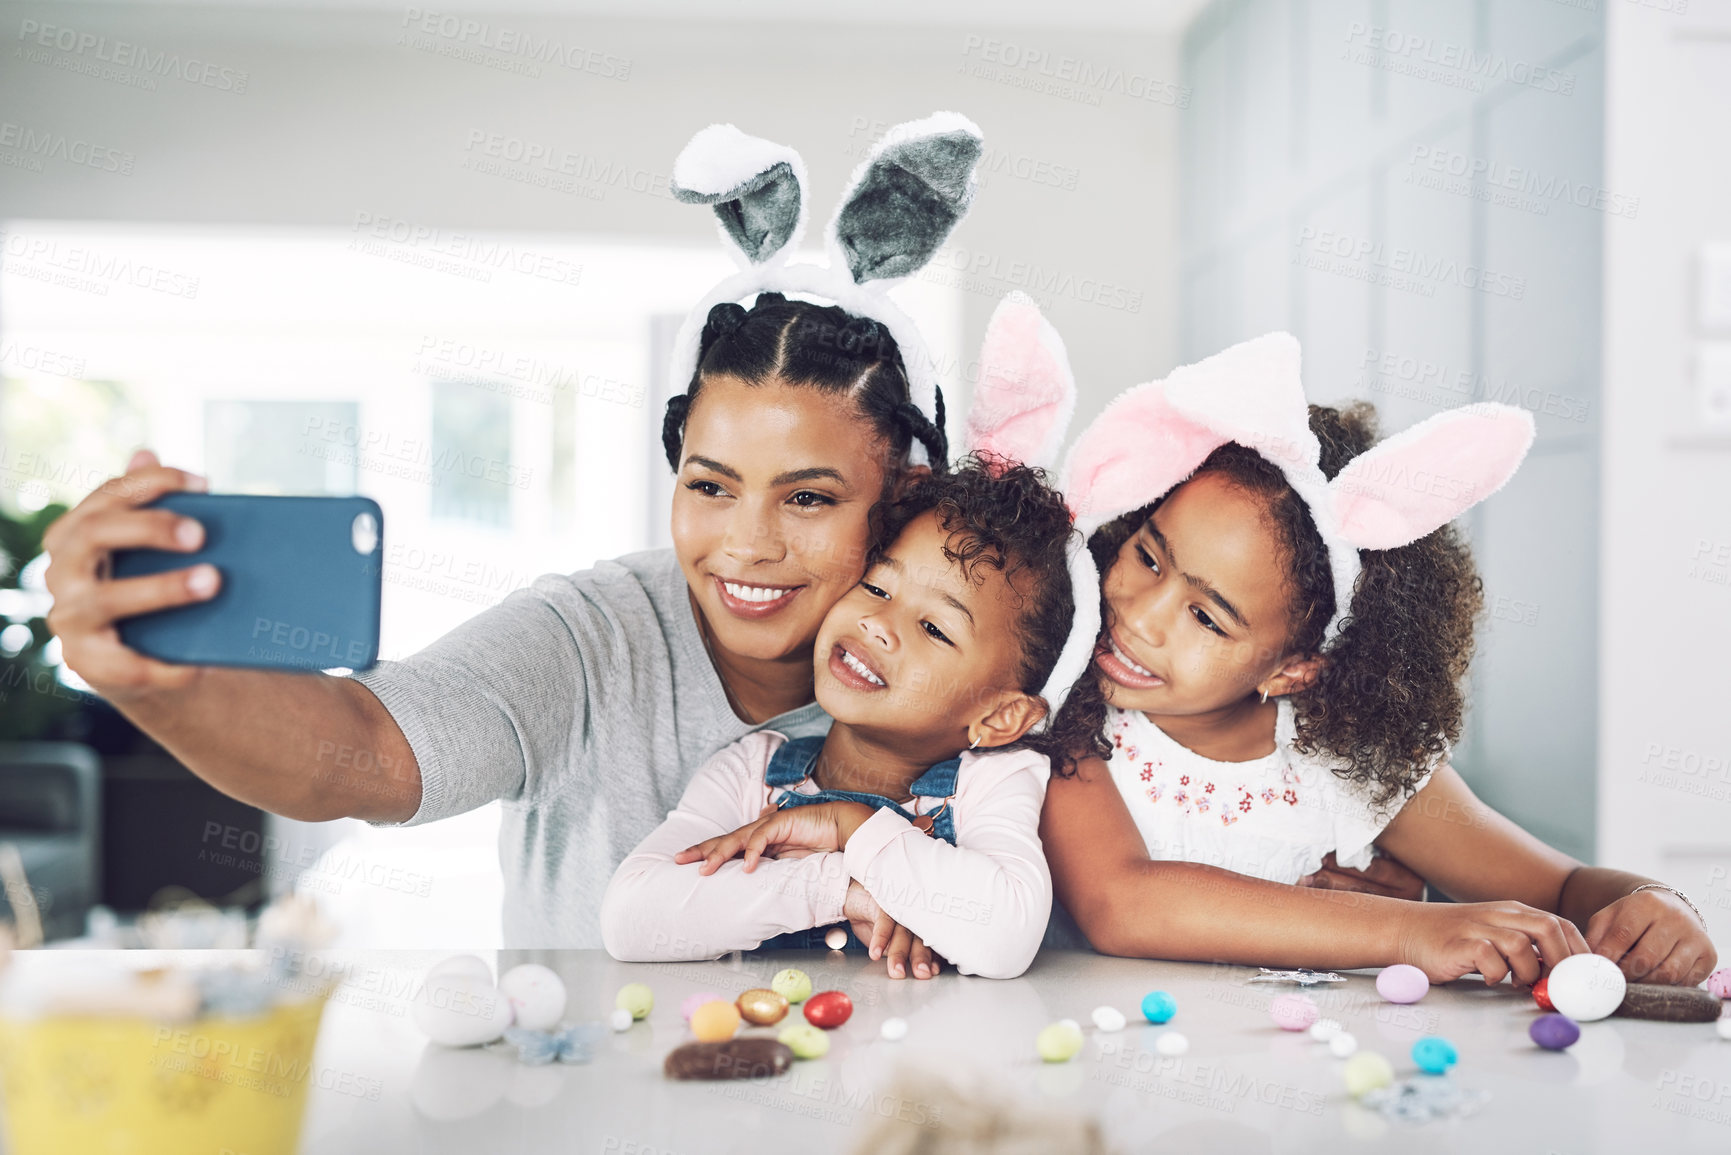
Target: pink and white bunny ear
x=755 y=186
x=1026 y=393
x=1136 y=450
x=1424 y=477
x=1251 y=393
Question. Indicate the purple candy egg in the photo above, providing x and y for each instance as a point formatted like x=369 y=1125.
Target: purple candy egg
x=1554 y=1032
x=1402 y=984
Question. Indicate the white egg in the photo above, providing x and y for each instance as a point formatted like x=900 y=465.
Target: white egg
x=1323 y=1030
x=895 y=1030
x=1171 y=1043
x=836 y=938
x=536 y=995
x=620 y=1019
x=461 y=1010
x=1724 y=1027
x=1342 y=1045
x=1109 y=1018
x=462 y=964
x=1587 y=987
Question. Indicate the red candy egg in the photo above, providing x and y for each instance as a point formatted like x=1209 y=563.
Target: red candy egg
x=1542 y=994
x=828 y=1009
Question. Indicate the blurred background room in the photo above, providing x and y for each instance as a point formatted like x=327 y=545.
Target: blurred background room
x=430 y=256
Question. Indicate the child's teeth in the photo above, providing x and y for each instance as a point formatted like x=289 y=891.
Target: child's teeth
x=753 y=593
x=1128 y=660
x=860 y=668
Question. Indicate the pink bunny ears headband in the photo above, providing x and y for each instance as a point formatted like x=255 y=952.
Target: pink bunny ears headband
x=901 y=203
x=1155 y=435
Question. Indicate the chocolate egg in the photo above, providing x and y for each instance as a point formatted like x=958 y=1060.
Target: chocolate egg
x=754 y=1058
x=762 y=1006
x=1542 y=994
x=828 y=1009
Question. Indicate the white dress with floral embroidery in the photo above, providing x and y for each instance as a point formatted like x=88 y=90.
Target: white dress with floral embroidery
x=1273 y=817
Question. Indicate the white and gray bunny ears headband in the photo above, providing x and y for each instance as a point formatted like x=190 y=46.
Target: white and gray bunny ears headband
x=900 y=205
x=1155 y=435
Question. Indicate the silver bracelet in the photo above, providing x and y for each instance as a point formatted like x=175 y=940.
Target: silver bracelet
x=1675 y=891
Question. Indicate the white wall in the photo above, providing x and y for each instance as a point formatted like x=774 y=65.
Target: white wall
x=1665 y=617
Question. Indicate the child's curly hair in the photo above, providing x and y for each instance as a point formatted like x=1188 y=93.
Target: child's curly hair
x=1388 y=701
x=1006 y=516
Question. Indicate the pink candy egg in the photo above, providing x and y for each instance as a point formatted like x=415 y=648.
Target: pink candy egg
x=1402 y=984
x=1293 y=1012
x=692 y=1002
x=1719 y=983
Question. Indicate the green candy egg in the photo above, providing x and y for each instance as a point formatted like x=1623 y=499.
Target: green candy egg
x=791 y=984
x=636 y=998
x=1367 y=1071
x=1059 y=1042
x=805 y=1040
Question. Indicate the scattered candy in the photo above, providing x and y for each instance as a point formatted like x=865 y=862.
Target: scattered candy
x=1171 y=1043
x=620 y=1019
x=748 y=1058
x=1724 y=1027
x=805 y=1040
x=1059 y=1042
x=895 y=1030
x=1159 y=1007
x=1719 y=983
x=1554 y=1032
x=690 y=1003
x=1293 y=1012
x=1422 y=1100
x=1402 y=983
x=1367 y=1071
x=1586 y=987
x=1668 y=1004
x=1323 y=1030
x=1109 y=1018
x=791 y=984
x=460 y=1010
x=1303 y=976
x=636 y=998
x=828 y=1010
x=538 y=1047
x=836 y=938
x=1434 y=1056
x=715 y=1022
x=536 y=995
x=762 y=1006
x=1542 y=994
x=1342 y=1045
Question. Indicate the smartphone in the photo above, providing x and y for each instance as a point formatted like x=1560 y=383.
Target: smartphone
x=301 y=578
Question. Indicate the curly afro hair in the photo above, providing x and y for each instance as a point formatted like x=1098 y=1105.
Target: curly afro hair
x=1388 y=702
x=1006 y=516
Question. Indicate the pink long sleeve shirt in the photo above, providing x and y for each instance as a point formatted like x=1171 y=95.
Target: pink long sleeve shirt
x=982 y=904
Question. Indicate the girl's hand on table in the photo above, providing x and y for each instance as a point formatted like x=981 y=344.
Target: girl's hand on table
x=1496 y=939
x=818 y=826
x=1653 y=937
x=906 y=953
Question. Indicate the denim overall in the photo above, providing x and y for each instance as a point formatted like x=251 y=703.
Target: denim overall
x=792 y=764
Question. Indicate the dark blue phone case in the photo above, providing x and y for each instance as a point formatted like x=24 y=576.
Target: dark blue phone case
x=296 y=594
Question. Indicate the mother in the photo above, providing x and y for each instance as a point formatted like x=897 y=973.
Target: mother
x=586 y=700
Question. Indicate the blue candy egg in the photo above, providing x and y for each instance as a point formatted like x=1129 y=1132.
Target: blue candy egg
x=1554 y=1032
x=1434 y=1056
x=1158 y=1006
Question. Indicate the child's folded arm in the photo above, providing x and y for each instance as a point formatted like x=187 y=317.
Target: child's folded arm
x=984 y=903
x=656 y=910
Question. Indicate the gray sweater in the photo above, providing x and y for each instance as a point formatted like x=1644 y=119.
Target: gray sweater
x=586 y=702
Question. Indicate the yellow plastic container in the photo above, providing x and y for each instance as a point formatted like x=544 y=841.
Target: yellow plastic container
x=117 y=1086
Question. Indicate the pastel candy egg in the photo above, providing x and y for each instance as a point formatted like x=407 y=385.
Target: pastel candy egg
x=1402 y=983
x=792 y=984
x=895 y=1030
x=836 y=938
x=1342 y=1044
x=1171 y=1043
x=1059 y=1042
x=1586 y=987
x=1367 y=1071
x=1542 y=994
x=715 y=1021
x=829 y=1009
x=1554 y=1032
x=460 y=1010
x=1724 y=1028
x=1293 y=1012
x=1109 y=1018
x=804 y=1040
x=1158 y=1006
x=1323 y=1030
x=762 y=1006
x=1433 y=1055
x=691 y=1002
x=636 y=998
x=536 y=995
x=620 y=1019
x=1719 y=983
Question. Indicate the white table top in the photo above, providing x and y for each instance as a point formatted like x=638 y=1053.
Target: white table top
x=1626 y=1086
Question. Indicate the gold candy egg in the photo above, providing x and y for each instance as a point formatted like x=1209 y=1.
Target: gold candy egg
x=762 y=1006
